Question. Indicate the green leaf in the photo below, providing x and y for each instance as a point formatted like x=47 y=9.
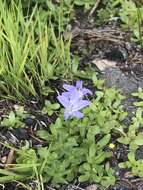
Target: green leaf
x=50 y=5
x=11 y=118
x=122 y=165
x=124 y=140
x=43 y=152
x=87 y=166
x=107 y=167
x=138 y=104
x=104 y=141
x=100 y=158
x=56 y=106
x=93 y=107
x=92 y=151
x=50 y=112
x=131 y=157
x=43 y=134
x=138 y=142
x=84 y=178
x=58 y=123
x=139 y=113
x=96 y=178
x=138 y=94
x=100 y=95
x=107 y=181
x=75 y=64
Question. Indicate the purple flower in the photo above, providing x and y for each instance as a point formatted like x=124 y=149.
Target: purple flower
x=78 y=89
x=72 y=100
x=72 y=105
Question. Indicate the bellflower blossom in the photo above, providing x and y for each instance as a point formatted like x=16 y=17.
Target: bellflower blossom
x=72 y=106
x=72 y=100
x=78 y=89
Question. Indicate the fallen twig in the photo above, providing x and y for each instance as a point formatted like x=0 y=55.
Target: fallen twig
x=94 y=8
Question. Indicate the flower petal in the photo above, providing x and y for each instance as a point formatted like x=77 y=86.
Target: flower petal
x=67 y=94
x=63 y=100
x=82 y=103
x=68 y=87
x=75 y=95
x=79 y=84
x=72 y=96
x=66 y=115
x=86 y=91
x=78 y=114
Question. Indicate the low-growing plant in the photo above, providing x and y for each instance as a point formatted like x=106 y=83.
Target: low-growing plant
x=93 y=169
x=134 y=165
x=131 y=16
x=129 y=12
x=49 y=108
x=70 y=152
x=15 y=118
x=109 y=10
x=77 y=145
x=139 y=95
x=86 y=3
x=133 y=138
x=27 y=169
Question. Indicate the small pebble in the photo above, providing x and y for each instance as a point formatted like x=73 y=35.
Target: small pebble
x=3 y=159
x=91 y=187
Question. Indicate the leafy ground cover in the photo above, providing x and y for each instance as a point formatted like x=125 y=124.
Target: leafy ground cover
x=71 y=95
